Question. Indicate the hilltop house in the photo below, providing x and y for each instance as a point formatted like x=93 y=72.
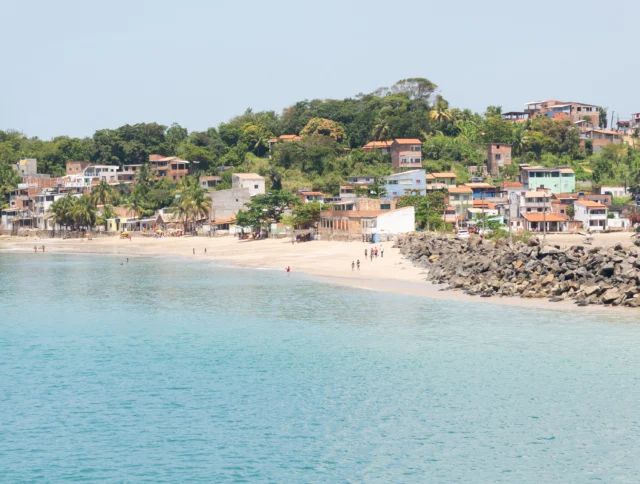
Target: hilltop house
x=560 y=179
x=209 y=182
x=572 y=111
x=252 y=181
x=447 y=179
x=406 y=153
x=381 y=146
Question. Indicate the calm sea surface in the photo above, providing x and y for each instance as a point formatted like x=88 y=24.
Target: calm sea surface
x=171 y=371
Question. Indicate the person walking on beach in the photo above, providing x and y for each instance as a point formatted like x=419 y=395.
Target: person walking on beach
x=205 y=251
x=43 y=249
x=365 y=253
x=358 y=263
x=371 y=255
x=381 y=251
x=194 y=251
x=353 y=266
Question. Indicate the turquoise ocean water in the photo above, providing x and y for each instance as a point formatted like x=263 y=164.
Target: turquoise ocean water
x=172 y=371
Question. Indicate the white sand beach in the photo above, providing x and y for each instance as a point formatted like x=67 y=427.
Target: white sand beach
x=329 y=261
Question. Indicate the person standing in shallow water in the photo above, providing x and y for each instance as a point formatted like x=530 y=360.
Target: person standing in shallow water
x=194 y=251
x=43 y=249
x=353 y=266
x=35 y=249
x=358 y=264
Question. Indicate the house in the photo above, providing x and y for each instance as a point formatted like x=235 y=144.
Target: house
x=43 y=201
x=128 y=173
x=499 y=155
x=601 y=137
x=252 y=181
x=560 y=202
x=347 y=191
x=122 y=216
x=406 y=153
x=222 y=226
x=593 y=215
x=460 y=197
x=482 y=190
x=381 y=146
x=451 y=216
x=560 y=179
x=572 y=111
x=362 y=180
x=535 y=202
x=361 y=218
x=107 y=173
x=308 y=197
x=285 y=138
x=545 y=222
x=583 y=125
x=227 y=203
x=14 y=218
x=618 y=192
x=27 y=166
x=447 y=179
x=404 y=183
x=76 y=167
x=507 y=186
x=623 y=127
x=209 y=182
x=635 y=120
x=515 y=116
x=616 y=220
x=170 y=167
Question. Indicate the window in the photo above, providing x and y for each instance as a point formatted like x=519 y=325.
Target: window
x=417 y=182
x=255 y=186
x=385 y=206
x=498 y=156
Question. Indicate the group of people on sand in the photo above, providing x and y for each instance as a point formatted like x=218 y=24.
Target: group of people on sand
x=368 y=253
x=35 y=248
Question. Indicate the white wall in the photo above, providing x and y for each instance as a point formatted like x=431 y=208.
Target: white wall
x=398 y=221
x=255 y=185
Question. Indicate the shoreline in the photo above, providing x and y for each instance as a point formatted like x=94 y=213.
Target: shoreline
x=326 y=262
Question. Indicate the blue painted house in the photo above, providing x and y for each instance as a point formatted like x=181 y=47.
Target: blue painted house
x=405 y=183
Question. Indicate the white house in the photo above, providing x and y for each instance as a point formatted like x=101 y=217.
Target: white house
x=593 y=215
x=252 y=181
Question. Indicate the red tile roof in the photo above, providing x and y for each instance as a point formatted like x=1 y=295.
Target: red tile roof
x=541 y=217
x=408 y=141
x=513 y=184
x=590 y=204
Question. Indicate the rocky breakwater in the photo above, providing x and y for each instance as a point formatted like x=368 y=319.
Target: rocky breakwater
x=588 y=275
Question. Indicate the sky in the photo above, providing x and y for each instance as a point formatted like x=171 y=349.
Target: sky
x=71 y=67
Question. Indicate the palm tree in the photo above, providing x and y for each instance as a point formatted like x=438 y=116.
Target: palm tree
x=107 y=213
x=83 y=212
x=381 y=130
x=134 y=206
x=200 y=205
x=103 y=193
x=441 y=113
x=61 y=210
x=145 y=175
x=520 y=141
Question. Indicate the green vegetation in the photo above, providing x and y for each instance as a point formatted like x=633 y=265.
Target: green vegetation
x=333 y=133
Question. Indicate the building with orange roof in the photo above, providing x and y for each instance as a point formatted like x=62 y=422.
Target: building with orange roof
x=406 y=153
x=381 y=146
x=460 y=197
x=593 y=215
x=283 y=138
x=545 y=222
x=560 y=110
x=446 y=178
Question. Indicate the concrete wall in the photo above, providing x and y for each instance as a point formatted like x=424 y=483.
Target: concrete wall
x=254 y=185
x=227 y=203
x=398 y=221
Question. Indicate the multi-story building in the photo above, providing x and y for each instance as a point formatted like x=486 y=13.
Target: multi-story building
x=43 y=218
x=252 y=181
x=593 y=215
x=170 y=167
x=209 y=182
x=347 y=191
x=515 y=116
x=560 y=179
x=482 y=190
x=92 y=172
x=128 y=173
x=635 y=120
x=362 y=180
x=499 y=155
x=538 y=201
x=27 y=166
x=572 y=111
x=460 y=197
x=410 y=182
x=77 y=167
x=406 y=153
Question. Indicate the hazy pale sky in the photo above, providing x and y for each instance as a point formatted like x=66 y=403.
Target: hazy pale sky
x=73 y=66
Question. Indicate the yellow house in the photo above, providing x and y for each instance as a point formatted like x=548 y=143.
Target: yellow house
x=115 y=224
